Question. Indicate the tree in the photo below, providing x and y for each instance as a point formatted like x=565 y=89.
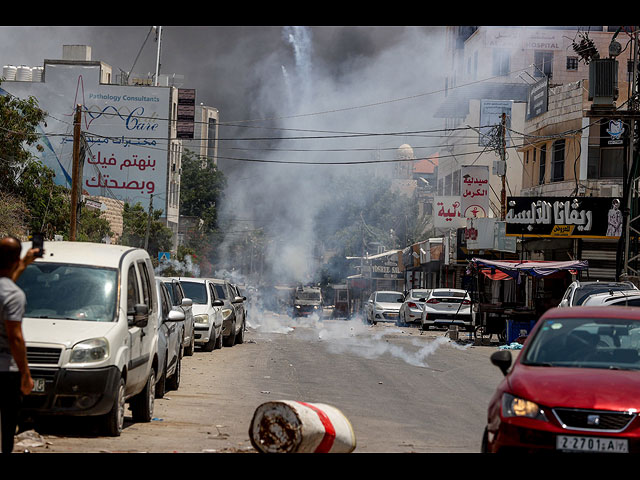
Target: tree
x=134 y=226
x=201 y=188
x=19 y=120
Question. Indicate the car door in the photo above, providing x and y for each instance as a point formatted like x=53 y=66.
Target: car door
x=135 y=366
x=170 y=327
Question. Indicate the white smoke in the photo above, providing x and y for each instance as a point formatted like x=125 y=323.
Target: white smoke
x=185 y=268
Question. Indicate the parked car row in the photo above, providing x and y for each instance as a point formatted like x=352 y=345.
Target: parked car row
x=102 y=331
x=437 y=307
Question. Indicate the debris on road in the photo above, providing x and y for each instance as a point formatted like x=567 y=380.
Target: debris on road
x=296 y=427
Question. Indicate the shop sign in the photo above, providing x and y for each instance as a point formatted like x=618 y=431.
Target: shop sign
x=613 y=133
x=474 y=191
x=564 y=217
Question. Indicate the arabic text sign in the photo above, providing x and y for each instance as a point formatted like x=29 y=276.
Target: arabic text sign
x=572 y=217
x=447 y=213
x=474 y=191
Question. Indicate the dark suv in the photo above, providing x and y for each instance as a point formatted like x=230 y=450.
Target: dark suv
x=233 y=311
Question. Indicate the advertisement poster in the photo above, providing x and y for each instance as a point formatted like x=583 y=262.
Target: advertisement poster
x=125 y=131
x=568 y=217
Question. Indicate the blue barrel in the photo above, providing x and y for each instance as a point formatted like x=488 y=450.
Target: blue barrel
x=518 y=328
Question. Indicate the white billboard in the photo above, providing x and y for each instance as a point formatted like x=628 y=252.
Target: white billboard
x=126 y=129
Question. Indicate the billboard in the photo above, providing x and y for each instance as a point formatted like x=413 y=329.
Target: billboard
x=126 y=130
x=474 y=191
x=447 y=212
x=564 y=217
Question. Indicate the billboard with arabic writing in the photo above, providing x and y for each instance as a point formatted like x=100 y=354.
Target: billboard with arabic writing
x=126 y=129
x=474 y=191
x=567 y=217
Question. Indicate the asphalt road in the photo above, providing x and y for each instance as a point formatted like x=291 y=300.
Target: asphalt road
x=403 y=391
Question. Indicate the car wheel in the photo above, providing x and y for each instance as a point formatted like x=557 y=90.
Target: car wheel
x=114 y=420
x=143 y=403
x=188 y=351
x=174 y=381
x=240 y=334
x=230 y=339
x=219 y=340
x=484 y=446
x=161 y=384
x=210 y=345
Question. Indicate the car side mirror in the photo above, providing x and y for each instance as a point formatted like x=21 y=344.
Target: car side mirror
x=175 y=316
x=140 y=315
x=187 y=302
x=217 y=303
x=237 y=300
x=502 y=359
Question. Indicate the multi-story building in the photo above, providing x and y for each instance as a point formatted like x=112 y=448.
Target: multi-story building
x=131 y=149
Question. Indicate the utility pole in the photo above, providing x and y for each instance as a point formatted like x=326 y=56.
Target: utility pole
x=503 y=158
x=146 y=235
x=75 y=173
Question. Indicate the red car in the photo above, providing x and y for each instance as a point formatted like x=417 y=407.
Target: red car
x=575 y=386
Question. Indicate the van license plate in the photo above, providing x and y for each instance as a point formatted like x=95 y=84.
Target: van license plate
x=38 y=385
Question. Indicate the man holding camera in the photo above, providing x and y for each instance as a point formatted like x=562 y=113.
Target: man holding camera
x=15 y=378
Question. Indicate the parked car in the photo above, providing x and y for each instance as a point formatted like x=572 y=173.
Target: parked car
x=170 y=341
x=411 y=308
x=184 y=304
x=578 y=291
x=625 y=298
x=308 y=301
x=207 y=312
x=447 y=306
x=91 y=332
x=383 y=306
x=233 y=313
x=573 y=387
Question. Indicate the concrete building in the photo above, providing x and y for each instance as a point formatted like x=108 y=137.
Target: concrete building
x=132 y=152
x=205 y=135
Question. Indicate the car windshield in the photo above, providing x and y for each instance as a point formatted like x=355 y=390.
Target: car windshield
x=308 y=295
x=71 y=292
x=583 y=292
x=196 y=291
x=388 y=297
x=417 y=294
x=586 y=343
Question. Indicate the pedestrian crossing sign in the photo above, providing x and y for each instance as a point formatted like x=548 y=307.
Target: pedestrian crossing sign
x=164 y=256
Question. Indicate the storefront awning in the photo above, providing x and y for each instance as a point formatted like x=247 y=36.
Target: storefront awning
x=514 y=268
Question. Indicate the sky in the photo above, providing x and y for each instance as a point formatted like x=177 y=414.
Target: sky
x=274 y=83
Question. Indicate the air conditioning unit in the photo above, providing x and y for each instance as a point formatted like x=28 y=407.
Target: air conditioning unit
x=614 y=191
x=603 y=81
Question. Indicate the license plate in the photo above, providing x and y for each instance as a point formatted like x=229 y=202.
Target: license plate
x=38 y=385
x=592 y=444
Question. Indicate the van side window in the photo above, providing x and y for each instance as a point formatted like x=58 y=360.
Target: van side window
x=146 y=285
x=177 y=292
x=133 y=293
x=166 y=301
x=220 y=292
x=212 y=293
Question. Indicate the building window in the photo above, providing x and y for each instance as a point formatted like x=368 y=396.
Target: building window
x=543 y=164
x=455 y=186
x=557 y=161
x=501 y=61
x=572 y=63
x=543 y=62
x=611 y=162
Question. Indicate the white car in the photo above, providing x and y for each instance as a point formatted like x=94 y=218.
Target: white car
x=578 y=291
x=181 y=302
x=91 y=332
x=383 y=306
x=625 y=298
x=207 y=312
x=447 y=306
x=411 y=308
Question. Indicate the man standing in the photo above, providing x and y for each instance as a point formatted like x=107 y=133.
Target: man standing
x=15 y=378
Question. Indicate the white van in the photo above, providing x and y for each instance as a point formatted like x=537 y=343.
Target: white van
x=90 y=334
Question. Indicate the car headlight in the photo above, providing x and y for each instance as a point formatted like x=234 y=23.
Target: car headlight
x=513 y=406
x=315 y=307
x=201 y=318
x=87 y=351
x=226 y=313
